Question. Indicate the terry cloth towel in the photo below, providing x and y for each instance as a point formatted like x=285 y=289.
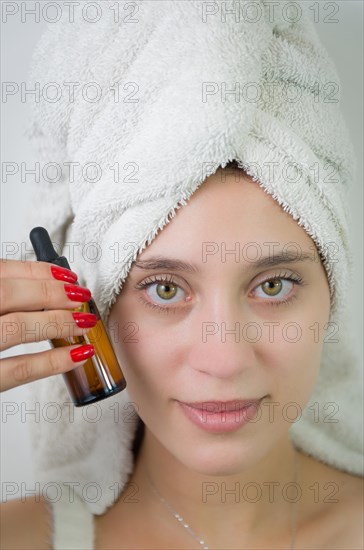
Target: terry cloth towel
x=196 y=90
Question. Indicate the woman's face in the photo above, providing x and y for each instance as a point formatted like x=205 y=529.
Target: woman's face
x=224 y=332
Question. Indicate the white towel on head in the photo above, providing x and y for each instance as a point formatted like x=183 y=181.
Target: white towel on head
x=175 y=122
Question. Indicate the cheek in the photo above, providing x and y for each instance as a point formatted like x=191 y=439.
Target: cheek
x=292 y=354
x=147 y=359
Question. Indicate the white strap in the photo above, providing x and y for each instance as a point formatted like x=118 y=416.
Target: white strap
x=73 y=523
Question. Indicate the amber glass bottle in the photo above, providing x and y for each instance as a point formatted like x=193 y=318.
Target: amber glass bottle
x=101 y=375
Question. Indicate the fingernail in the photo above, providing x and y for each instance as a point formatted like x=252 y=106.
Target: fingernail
x=81 y=353
x=63 y=274
x=85 y=320
x=77 y=293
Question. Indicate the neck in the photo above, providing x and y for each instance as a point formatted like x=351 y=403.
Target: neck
x=249 y=505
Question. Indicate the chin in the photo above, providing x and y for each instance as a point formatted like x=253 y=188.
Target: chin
x=226 y=458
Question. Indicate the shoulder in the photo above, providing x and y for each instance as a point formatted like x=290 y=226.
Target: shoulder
x=346 y=488
x=335 y=505
x=350 y=512
x=26 y=524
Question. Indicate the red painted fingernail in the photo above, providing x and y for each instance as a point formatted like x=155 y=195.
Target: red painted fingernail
x=81 y=353
x=63 y=274
x=77 y=293
x=85 y=320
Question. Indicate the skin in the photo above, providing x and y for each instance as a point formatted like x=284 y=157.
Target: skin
x=170 y=361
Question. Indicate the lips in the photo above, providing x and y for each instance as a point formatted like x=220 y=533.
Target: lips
x=221 y=416
x=222 y=406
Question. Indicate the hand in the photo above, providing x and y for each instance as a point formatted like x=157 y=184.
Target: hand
x=27 y=288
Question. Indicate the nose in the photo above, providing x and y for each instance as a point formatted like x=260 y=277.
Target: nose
x=223 y=344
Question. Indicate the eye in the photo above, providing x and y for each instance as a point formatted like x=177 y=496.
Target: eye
x=273 y=286
x=167 y=290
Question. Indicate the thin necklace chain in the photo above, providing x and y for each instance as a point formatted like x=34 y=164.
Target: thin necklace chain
x=179 y=518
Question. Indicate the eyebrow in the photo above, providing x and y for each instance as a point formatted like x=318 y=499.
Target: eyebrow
x=170 y=264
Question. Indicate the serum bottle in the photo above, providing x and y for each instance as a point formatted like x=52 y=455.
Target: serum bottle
x=101 y=376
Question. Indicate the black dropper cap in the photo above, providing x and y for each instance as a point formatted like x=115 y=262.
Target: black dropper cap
x=43 y=248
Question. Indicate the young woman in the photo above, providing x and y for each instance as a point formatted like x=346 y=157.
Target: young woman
x=232 y=482
x=231 y=318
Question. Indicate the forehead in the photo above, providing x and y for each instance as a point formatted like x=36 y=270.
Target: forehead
x=230 y=218
x=228 y=207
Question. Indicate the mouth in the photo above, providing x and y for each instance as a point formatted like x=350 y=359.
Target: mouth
x=214 y=406
x=221 y=416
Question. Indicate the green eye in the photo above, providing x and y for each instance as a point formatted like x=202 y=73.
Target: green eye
x=167 y=289
x=272 y=287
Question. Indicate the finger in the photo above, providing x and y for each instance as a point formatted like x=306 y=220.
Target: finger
x=21 y=328
x=17 y=269
x=35 y=295
x=23 y=369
